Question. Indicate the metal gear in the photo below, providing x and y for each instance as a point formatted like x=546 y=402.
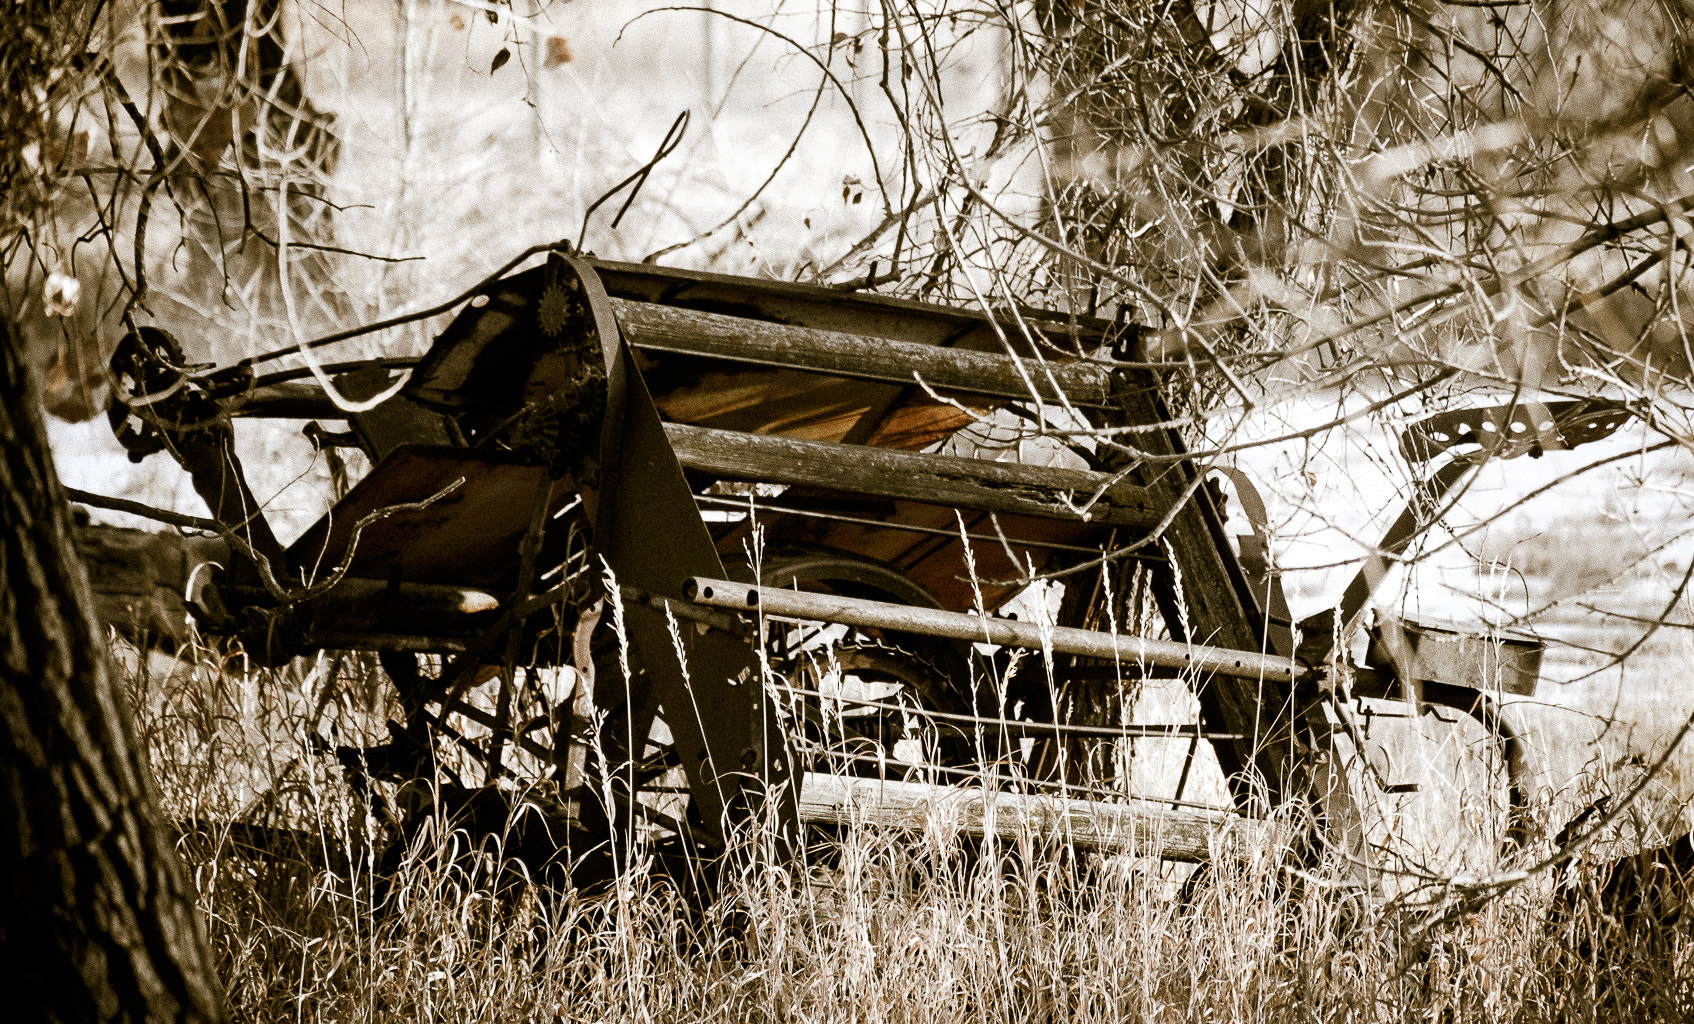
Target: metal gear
x=156 y=396
x=875 y=662
x=555 y=310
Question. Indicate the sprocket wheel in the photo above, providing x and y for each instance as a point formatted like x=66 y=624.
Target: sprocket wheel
x=862 y=698
x=155 y=394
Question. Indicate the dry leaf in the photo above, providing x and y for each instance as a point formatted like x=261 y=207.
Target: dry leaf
x=61 y=293
x=558 y=52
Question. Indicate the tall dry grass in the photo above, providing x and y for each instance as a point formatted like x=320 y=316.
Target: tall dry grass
x=313 y=921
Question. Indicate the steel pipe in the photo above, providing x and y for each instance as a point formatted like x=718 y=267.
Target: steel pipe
x=1088 y=643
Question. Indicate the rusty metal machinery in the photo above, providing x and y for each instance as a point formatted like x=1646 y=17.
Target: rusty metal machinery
x=741 y=476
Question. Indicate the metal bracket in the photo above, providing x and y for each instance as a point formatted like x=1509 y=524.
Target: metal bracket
x=649 y=530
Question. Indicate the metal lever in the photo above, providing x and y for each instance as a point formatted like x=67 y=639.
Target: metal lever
x=1503 y=431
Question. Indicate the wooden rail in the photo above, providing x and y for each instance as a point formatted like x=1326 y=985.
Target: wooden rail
x=1047 y=491
x=659 y=328
x=1114 y=828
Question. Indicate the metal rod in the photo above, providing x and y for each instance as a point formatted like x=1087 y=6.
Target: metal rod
x=683 y=610
x=1086 y=643
x=1187 y=766
x=331 y=369
x=1418 y=513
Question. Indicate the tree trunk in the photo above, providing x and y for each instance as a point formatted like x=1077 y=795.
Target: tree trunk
x=97 y=915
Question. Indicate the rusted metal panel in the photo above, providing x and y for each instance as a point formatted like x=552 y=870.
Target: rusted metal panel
x=649 y=529
x=998 y=572
x=397 y=421
x=923 y=540
x=785 y=402
x=469 y=538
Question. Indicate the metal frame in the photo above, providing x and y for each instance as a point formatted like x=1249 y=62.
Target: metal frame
x=635 y=388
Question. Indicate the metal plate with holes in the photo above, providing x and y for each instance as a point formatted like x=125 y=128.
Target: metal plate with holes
x=1521 y=428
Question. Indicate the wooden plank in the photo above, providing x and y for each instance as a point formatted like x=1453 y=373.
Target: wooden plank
x=1113 y=828
x=659 y=328
x=1047 y=491
x=140 y=578
x=862 y=313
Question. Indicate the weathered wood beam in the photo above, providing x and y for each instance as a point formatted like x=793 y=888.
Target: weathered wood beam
x=370 y=614
x=659 y=328
x=140 y=578
x=1009 y=487
x=1113 y=828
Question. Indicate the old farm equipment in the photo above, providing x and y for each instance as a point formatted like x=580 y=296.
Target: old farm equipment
x=771 y=492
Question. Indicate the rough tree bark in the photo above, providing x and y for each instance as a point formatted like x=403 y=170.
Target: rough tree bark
x=97 y=914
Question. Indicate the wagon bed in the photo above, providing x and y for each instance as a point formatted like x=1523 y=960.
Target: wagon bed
x=697 y=449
